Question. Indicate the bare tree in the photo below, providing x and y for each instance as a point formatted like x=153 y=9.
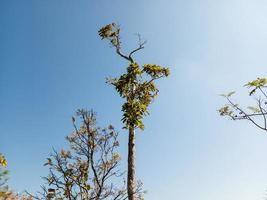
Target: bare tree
x=256 y=113
x=90 y=169
x=138 y=89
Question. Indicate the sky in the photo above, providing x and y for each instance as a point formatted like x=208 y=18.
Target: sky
x=53 y=62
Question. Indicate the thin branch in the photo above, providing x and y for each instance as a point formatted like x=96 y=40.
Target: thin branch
x=263 y=92
x=246 y=116
x=261 y=109
x=141 y=46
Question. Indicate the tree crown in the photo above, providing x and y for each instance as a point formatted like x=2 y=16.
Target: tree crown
x=137 y=84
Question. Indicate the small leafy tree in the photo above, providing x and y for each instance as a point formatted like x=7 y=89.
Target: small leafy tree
x=137 y=87
x=5 y=192
x=3 y=177
x=257 y=113
x=89 y=170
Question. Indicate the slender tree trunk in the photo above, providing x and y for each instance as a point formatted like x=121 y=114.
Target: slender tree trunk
x=131 y=165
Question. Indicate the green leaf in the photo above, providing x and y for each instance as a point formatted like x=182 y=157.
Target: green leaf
x=228 y=95
x=3 y=161
x=254 y=109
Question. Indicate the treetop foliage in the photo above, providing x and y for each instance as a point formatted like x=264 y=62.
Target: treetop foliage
x=137 y=85
x=138 y=91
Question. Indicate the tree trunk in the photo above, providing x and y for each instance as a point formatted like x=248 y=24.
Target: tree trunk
x=131 y=165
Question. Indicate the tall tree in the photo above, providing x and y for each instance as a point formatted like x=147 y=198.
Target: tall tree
x=89 y=170
x=138 y=89
x=257 y=113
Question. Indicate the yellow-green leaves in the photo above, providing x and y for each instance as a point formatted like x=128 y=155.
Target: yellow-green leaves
x=254 y=109
x=49 y=162
x=256 y=84
x=134 y=70
x=108 y=31
x=137 y=91
x=3 y=161
x=156 y=71
x=225 y=111
x=259 y=82
x=133 y=113
x=65 y=154
x=228 y=95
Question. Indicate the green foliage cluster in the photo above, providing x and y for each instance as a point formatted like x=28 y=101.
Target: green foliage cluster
x=138 y=91
x=225 y=111
x=3 y=161
x=111 y=32
x=156 y=71
x=256 y=84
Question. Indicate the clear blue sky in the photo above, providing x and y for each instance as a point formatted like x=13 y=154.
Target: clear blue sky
x=53 y=62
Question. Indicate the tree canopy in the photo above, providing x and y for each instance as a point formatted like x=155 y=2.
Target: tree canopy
x=89 y=170
x=256 y=113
